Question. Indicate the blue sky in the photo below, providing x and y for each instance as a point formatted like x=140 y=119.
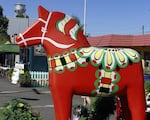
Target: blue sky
x=103 y=16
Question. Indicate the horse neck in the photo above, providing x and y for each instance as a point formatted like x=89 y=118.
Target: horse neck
x=54 y=43
x=52 y=50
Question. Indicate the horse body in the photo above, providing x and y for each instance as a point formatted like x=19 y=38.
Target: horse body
x=83 y=84
x=77 y=68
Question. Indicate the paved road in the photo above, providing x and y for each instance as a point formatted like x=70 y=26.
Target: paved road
x=40 y=102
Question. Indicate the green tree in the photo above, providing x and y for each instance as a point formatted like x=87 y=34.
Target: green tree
x=1 y=11
x=3 y=22
x=3 y=27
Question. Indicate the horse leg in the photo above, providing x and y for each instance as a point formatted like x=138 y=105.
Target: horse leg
x=136 y=95
x=125 y=108
x=136 y=102
x=62 y=99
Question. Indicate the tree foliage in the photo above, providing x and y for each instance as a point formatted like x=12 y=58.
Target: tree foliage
x=1 y=11
x=3 y=22
x=3 y=27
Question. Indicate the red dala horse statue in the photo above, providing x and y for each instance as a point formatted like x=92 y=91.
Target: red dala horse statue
x=75 y=67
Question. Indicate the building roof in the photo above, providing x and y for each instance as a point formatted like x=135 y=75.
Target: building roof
x=120 y=40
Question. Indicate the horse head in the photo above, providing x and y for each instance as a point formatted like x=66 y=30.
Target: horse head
x=55 y=31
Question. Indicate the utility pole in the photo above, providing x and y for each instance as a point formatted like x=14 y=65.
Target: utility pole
x=84 y=17
x=143 y=29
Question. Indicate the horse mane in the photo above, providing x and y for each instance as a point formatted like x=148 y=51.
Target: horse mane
x=64 y=24
x=68 y=26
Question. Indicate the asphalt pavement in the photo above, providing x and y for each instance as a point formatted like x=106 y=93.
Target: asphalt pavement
x=38 y=97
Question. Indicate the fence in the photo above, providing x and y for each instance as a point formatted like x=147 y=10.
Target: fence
x=39 y=79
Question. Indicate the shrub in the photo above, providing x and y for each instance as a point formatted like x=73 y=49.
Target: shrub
x=81 y=112
x=147 y=86
x=9 y=72
x=104 y=106
x=25 y=79
x=99 y=109
x=18 y=110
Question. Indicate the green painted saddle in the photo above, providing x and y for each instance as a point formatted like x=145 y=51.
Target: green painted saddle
x=106 y=59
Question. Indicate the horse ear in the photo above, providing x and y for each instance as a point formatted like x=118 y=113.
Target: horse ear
x=43 y=13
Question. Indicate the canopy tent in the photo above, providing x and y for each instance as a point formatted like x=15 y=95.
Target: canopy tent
x=6 y=46
x=9 y=48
